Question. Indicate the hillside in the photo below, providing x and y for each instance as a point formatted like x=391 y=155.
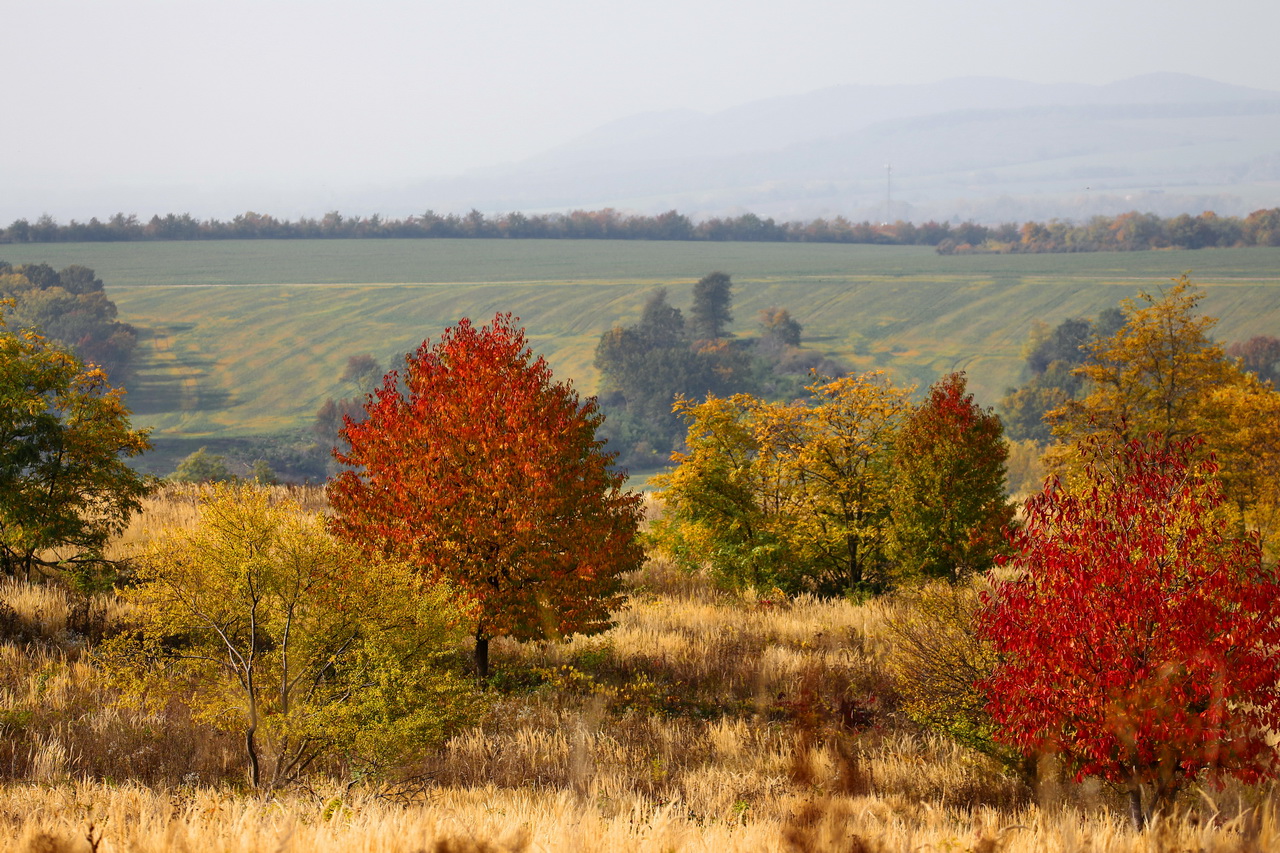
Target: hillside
x=245 y=339
x=988 y=148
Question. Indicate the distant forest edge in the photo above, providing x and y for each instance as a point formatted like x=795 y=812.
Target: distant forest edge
x=1131 y=231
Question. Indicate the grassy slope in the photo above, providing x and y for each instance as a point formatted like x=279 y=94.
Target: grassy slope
x=245 y=338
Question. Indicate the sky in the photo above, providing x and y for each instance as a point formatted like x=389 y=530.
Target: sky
x=281 y=106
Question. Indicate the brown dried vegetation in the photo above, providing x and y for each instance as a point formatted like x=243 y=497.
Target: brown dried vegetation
x=702 y=721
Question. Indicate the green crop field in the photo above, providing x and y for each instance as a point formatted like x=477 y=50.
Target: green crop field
x=247 y=338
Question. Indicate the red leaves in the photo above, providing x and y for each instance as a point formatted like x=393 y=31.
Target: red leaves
x=1137 y=640
x=478 y=467
x=950 y=513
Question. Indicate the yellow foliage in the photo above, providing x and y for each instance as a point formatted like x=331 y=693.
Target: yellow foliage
x=793 y=495
x=1162 y=374
x=268 y=626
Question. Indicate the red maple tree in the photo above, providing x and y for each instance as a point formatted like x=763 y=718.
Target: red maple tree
x=479 y=468
x=1137 y=641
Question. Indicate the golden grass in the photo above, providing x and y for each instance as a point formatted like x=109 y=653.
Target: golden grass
x=177 y=505
x=491 y=818
x=701 y=722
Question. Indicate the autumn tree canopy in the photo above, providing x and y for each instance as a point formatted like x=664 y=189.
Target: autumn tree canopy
x=1163 y=373
x=264 y=624
x=65 y=433
x=949 y=510
x=792 y=495
x=1155 y=374
x=1136 y=639
x=480 y=469
x=70 y=306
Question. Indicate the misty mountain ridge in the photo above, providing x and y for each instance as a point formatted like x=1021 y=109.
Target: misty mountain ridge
x=992 y=149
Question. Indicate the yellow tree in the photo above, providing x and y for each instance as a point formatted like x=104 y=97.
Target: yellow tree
x=1162 y=374
x=841 y=462
x=722 y=503
x=1156 y=374
x=794 y=496
x=266 y=625
x=1249 y=455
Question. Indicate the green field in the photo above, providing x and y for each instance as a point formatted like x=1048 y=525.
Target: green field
x=241 y=339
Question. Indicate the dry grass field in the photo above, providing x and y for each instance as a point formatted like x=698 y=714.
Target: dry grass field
x=701 y=722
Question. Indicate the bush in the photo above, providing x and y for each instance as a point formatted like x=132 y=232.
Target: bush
x=271 y=628
x=937 y=660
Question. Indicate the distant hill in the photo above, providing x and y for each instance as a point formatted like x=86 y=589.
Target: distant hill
x=985 y=148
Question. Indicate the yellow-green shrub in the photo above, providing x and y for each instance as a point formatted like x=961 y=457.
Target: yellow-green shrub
x=272 y=628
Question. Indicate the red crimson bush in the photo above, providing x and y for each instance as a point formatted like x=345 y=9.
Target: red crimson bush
x=1137 y=640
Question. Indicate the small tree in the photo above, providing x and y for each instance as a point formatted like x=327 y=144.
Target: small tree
x=482 y=471
x=65 y=488
x=950 y=515
x=779 y=328
x=201 y=466
x=724 y=504
x=1135 y=639
x=269 y=626
x=937 y=661
x=793 y=495
x=361 y=371
x=712 y=303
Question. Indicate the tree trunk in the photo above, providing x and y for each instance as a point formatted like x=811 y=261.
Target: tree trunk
x=251 y=746
x=1136 y=814
x=855 y=569
x=482 y=657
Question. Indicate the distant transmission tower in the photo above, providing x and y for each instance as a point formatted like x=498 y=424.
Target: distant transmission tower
x=888 y=193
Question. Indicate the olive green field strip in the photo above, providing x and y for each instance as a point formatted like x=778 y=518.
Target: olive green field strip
x=244 y=338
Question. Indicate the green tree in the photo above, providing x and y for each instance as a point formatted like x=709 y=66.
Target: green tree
x=643 y=368
x=71 y=308
x=793 y=495
x=268 y=626
x=949 y=511
x=262 y=474
x=65 y=488
x=201 y=466
x=712 y=304
x=1052 y=356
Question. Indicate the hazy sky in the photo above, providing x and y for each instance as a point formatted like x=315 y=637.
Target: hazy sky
x=107 y=100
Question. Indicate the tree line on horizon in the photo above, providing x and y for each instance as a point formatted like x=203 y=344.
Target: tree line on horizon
x=1131 y=231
